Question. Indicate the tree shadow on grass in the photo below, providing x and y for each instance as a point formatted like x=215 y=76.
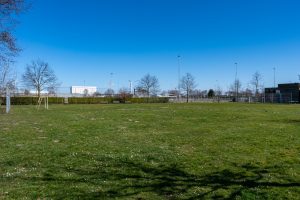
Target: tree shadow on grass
x=130 y=179
x=288 y=121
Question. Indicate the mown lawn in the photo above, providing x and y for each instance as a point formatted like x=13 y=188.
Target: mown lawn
x=151 y=151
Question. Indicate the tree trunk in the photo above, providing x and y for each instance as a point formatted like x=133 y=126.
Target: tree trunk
x=39 y=92
x=187 y=96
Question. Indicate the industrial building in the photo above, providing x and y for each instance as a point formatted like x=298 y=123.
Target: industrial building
x=284 y=93
x=83 y=90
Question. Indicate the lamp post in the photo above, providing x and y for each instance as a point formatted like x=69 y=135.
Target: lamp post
x=235 y=82
x=110 y=81
x=178 y=63
x=274 y=71
x=274 y=77
x=130 y=86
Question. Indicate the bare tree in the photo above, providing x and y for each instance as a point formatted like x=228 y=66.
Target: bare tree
x=138 y=91
x=85 y=92
x=39 y=76
x=256 y=82
x=9 y=9
x=7 y=77
x=149 y=84
x=124 y=94
x=236 y=87
x=109 y=92
x=188 y=84
x=218 y=93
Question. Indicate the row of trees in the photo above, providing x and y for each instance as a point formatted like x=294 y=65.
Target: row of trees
x=149 y=85
x=39 y=76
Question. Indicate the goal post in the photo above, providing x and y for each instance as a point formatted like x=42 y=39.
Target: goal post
x=46 y=102
x=7 y=100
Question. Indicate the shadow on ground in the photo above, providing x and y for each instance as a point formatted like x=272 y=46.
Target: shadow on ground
x=128 y=179
x=288 y=121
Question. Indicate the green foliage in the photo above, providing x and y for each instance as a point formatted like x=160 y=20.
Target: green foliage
x=34 y=100
x=211 y=93
x=56 y=100
x=24 y=100
x=84 y=100
x=105 y=100
x=149 y=100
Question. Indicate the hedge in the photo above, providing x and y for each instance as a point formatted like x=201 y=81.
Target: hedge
x=84 y=100
x=99 y=100
x=89 y=100
x=32 y=100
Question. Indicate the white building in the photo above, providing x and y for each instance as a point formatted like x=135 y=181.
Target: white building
x=89 y=90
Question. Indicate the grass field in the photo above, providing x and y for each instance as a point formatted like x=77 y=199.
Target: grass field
x=151 y=151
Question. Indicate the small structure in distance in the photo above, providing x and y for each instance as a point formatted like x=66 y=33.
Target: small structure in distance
x=284 y=93
x=83 y=90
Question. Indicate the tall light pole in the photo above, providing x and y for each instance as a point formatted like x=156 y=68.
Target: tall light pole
x=299 y=77
x=130 y=86
x=235 y=82
x=178 y=63
x=110 y=81
x=274 y=71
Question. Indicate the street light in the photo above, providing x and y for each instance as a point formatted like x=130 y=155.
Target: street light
x=274 y=70
x=178 y=62
x=235 y=82
x=110 y=81
x=130 y=86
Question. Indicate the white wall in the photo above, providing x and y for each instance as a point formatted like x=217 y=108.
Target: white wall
x=80 y=89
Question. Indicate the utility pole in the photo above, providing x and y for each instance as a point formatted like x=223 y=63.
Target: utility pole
x=274 y=70
x=110 y=81
x=236 y=83
x=179 y=76
x=274 y=76
x=130 y=86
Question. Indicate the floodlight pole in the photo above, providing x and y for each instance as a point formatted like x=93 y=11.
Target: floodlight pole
x=274 y=71
x=178 y=63
x=235 y=82
x=130 y=86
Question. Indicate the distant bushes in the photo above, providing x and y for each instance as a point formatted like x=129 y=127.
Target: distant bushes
x=85 y=100
x=33 y=100
x=90 y=100
x=109 y=100
x=150 y=100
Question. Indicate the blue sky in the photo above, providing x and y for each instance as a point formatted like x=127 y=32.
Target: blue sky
x=88 y=40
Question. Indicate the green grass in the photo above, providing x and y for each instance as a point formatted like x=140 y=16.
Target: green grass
x=151 y=151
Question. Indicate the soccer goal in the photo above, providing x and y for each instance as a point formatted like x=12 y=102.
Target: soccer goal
x=42 y=100
x=5 y=100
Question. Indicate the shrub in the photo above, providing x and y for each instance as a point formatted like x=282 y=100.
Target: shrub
x=33 y=100
x=84 y=100
x=101 y=100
